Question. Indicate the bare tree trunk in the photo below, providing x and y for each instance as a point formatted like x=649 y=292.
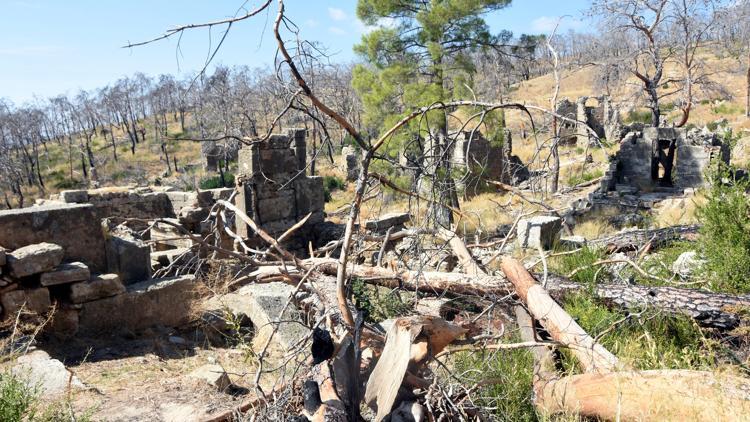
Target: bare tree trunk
x=747 y=100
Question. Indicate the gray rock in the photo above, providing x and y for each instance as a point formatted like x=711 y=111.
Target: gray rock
x=34 y=300
x=38 y=370
x=214 y=375
x=687 y=264
x=65 y=274
x=34 y=259
x=540 y=231
x=2 y=256
x=100 y=286
x=573 y=242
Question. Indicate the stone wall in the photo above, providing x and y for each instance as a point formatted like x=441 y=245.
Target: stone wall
x=75 y=227
x=273 y=189
x=603 y=119
x=637 y=161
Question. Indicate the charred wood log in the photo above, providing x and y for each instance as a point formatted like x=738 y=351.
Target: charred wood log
x=637 y=239
x=713 y=310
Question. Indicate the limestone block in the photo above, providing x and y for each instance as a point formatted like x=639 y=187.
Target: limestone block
x=167 y=302
x=277 y=161
x=64 y=324
x=75 y=227
x=387 y=221
x=279 y=208
x=38 y=370
x=165 y=236
x=34 y=259
x=65 y=274
x=128 y=257
x=100 y=286
x=309 y=195
x=263 y=304
x=33 y=300
x=214 y=375
x=74 y=196
x=276 y=141
x=540 y=231
x=687 y=264
x=170 y=256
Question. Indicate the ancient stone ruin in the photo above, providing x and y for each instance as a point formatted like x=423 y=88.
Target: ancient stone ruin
x=603 y=119
x=116 y=259
x=668 y=158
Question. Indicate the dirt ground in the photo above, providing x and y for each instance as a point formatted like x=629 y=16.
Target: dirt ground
x=146 y=377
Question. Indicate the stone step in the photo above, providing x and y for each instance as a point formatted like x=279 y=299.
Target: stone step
x=65 y=274
x=100 y=286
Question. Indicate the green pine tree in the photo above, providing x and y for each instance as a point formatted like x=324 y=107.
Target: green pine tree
x=420 y=54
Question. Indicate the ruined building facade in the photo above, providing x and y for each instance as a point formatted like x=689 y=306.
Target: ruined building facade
x=603 y=119
x=668 y=157
x=273 y=189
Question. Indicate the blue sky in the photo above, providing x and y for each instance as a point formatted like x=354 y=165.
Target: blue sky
x=50 y=47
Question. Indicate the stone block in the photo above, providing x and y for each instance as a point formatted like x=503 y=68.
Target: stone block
x=170 y=256
x=540 y=231
x=128 y=257
x=279 y=208
x=39 y=371
x=387 y=221
x=309 y=195
x=75 y=227
x=74 y=196
x=277 y=161
x=276 y=141
x=33 y=300
x=167 y=302
x=34 y=259
x=100 y=286
x=64 y=324
x=263 y=304
x=165 y=236
x=65 y=274
x=214 y=375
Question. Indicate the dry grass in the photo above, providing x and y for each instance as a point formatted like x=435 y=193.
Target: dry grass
x=678 y=210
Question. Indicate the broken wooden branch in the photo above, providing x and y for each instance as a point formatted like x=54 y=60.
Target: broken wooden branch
x=592 y=356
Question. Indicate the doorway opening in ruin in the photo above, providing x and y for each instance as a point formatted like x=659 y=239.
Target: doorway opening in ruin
x=663 y=161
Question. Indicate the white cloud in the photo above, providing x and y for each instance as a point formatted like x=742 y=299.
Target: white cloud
x=337 y=14
x=546 y=24
x=382 y=22
x=336 y=30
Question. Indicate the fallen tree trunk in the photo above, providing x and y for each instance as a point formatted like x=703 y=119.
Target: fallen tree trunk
x=636 y=239
x=708 y=309
x=675 y=395
x=713 y=310
x=592 y=356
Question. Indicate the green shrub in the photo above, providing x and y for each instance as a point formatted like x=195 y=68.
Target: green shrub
x=645 y=340
x=725 y=237
x=635 y=116
x=330 y=184
x=378 y=303
x=584 y=259
x=587 y=176
x=17 y=400
x=214 y=182
x=510 y=399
